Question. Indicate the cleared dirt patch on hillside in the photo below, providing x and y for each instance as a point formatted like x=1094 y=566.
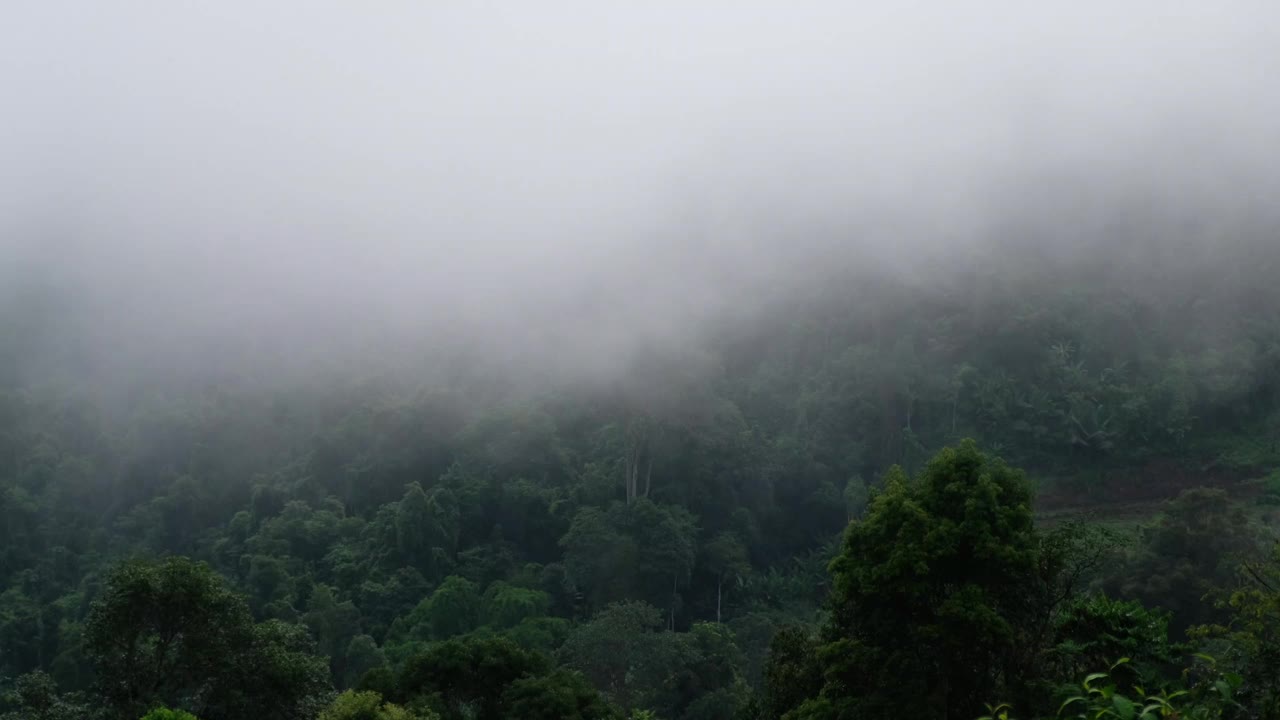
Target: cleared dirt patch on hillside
x=1112 y=492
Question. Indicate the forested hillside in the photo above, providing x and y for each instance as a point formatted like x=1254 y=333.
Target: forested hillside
x=467 y=541
x=580 y=360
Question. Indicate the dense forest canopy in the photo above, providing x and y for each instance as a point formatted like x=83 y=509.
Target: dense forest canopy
x=656 y=533
x=729 y=363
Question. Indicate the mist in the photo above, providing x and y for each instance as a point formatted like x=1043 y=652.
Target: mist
x=739 y=359
x=562 y=184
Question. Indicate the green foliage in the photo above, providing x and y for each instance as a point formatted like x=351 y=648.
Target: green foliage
x=506 y=606
x=726 y=557
x=1091 y=630
x=167 y=714
x=1195 y=545
x=465 y=678
x=1100 y=697
x=709 y=683
x=381 y=680
x=426 y=529
x=333 y=624
x=352 y=705
x=856 y=497
x=561 y=695
x=362 y=656
x=372 y=522
x=276 y=672
x=1249 y=642
x=792 y=673
x=637 y=550
x=158 y=627
x=454 y=608
x=169 y=632
x=35 y=696
x=543 y=634
x=942 y=563
x=623 y=651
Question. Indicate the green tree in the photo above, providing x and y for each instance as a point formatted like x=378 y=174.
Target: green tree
x=455 y=608
x=362 y=655
x=1195 y=545
x=506 y=606
x=268 y=580
x=1112 y=696
x=275 y=674
x=856 y=495
x=625 y=653
x=466 y=677
x=352 y=705
x=167 y=714
x=792 y=673
x=727 y=558
x=1091 y=631
x=560 y=695
x=35 y=696
x=426 y=528
x=597 y=556
x=708 y=682
x=333 y=624
x=930 y=591
x=169 y=633
x=159 y=629
x=1249 y=642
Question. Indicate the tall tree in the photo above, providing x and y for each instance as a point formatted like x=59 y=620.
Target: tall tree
x=929 y=593
x=727 y=558
x=162 y=631
x=170 y=633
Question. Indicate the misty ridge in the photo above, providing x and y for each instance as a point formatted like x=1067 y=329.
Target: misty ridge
x=193 y=186
x=477 y=360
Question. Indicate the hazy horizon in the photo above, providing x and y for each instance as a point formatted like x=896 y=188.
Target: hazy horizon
x=569 y=179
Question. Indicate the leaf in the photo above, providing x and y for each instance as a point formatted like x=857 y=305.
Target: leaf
x=1124 y=707
x=998 y=712
x=1069 y=701
x=1090 y=678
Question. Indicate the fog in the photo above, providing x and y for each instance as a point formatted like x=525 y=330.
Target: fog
x=198 y=183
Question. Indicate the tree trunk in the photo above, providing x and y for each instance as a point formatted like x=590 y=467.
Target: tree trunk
x=637 y=449
x=631 y=481
x=955 y=400
x=40 y=638
x=631 y=470
x=648 y=474
x=719 y=584
x=675 y=580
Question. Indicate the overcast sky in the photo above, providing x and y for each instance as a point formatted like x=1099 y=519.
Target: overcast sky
x=199 y=169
